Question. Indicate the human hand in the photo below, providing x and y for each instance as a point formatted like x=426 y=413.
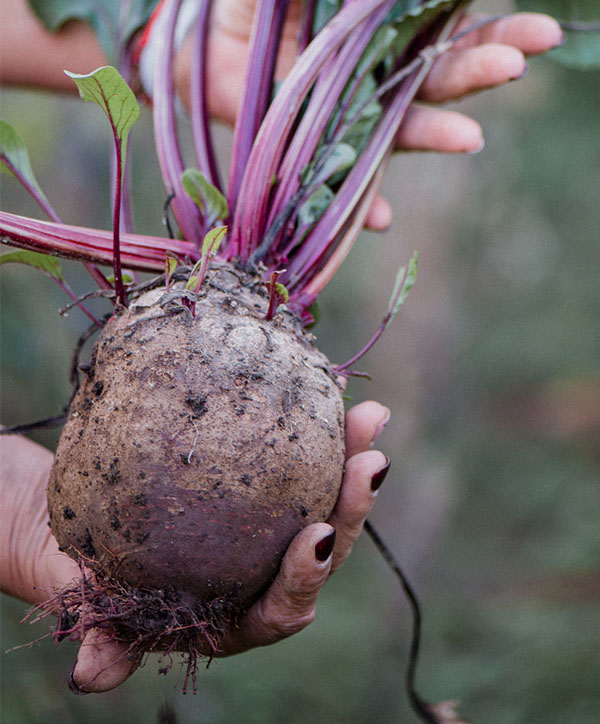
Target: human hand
x=34 y=569
x=485 y=58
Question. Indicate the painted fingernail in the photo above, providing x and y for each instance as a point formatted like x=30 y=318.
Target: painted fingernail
x=523 y=74
x=379 y=476
x=324 y=548
x=381 y=427
x=73 y=686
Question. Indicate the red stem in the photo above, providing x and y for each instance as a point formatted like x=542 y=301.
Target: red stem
x=119 y=286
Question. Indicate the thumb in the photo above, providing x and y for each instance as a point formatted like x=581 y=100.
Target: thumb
x=102 y=664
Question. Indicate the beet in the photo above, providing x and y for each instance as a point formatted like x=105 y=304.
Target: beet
x=198 y=445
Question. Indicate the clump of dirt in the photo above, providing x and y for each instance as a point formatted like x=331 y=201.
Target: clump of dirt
x=196 y=448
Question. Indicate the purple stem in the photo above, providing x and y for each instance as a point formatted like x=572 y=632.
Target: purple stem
x=273 y=135
x=198 y=99
x=119 y=286
x=264 y=45
x=309 y=258
x=165 y=132
x=142 y=253
x=324 y=98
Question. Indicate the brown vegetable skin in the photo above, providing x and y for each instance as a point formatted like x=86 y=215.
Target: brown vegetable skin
x=196 y=448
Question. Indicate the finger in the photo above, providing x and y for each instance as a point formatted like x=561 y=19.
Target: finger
x=432 y=129
x=364 y=423
x=289 y=603
x=460 y=72
x=362 y=478
x=531 y=33
x=102 y=664
x=379 y=216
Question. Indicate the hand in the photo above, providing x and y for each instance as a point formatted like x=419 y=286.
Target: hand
x=485 y=58
x=33 y=567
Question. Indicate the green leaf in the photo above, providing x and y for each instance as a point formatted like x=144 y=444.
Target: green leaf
x=315 y=313
x=315 y=206
x=405 y=280
x=170 y=266
x=192 y=283
x=113 y=21
x=43 y=262
x=213 y=240
x=107 y=88
x=282 y=292
x=582 y=47
x=14 y=157
x=206 y=196
x=341 y=158
x=127 y=279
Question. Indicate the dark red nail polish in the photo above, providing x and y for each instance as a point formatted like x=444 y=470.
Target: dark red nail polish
x=324 y=548
x=73 y=686
x=379 y=476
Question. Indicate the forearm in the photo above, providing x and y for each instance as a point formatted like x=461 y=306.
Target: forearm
x=30 y=562
x=30 y=55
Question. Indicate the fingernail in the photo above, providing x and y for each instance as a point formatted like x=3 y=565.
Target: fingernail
x=523 y=74
x=381 y=427
x=324 y=548
x=562 y=41
x=478 y=149
x=379 y=476
x=73 y=686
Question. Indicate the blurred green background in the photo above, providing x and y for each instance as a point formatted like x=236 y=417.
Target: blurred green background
x=492 y=373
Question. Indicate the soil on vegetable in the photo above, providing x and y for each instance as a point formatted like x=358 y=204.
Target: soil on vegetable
x=196 y=448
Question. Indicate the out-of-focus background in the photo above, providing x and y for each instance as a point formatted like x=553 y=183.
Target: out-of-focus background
x=492 y=373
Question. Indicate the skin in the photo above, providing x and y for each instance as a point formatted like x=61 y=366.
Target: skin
x=31 y=566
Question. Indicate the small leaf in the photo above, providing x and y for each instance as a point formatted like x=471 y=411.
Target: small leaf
x=170 y=266
x=341 y=158
x=107 y=88
x=315 y=312
x=405 y=280
x=127 y=279
x=213 y=240
x=206 y=196
x=14 y=157
x=282 y=293
x=192 y=283
x=48 y=264
x=315 y=206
